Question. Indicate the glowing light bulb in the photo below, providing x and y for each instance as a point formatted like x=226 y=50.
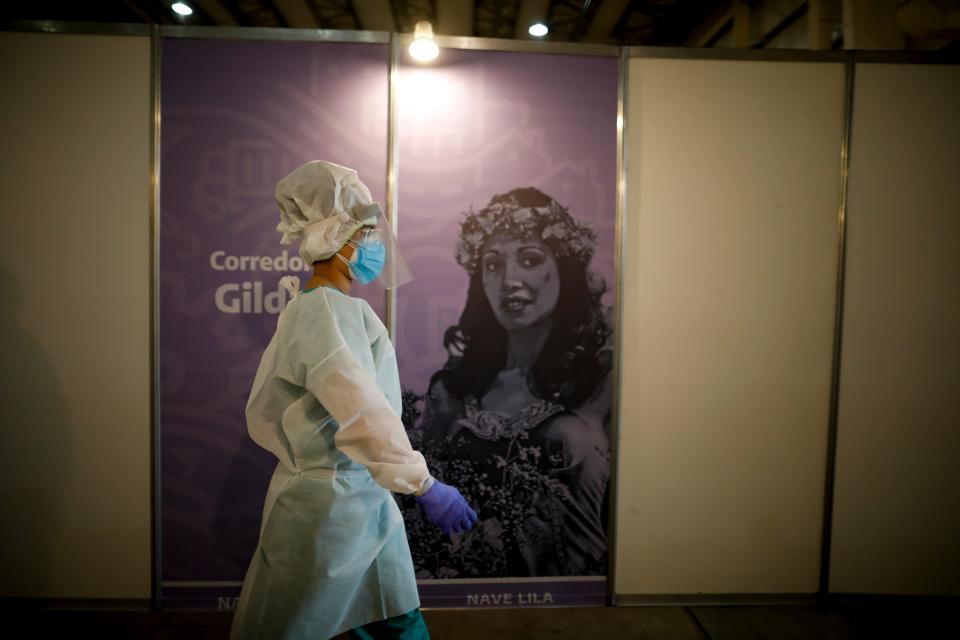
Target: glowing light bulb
x=182 y=8
x=538 y=30
x=423 y=48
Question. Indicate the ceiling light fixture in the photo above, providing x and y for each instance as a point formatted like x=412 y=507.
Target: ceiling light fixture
x=538 y=30
x=423 y=48
x=182 y=8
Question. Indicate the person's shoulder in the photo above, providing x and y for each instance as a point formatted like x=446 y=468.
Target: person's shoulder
x=441 y=410
x=372 y=322
x=313 y=311
x=605 y=358
x=440 y=399
x=565 y=425
x=570 y=430
x=437 y=389
x=324 y=301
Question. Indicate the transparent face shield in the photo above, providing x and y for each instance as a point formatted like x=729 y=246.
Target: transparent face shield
x=369 y=239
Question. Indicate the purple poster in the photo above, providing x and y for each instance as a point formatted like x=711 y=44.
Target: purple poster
x=236 y=117
x=507 y=214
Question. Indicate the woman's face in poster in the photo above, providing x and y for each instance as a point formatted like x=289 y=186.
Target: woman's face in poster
x=520 y=280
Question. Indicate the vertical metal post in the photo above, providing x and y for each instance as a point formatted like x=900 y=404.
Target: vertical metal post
x=154 y=253
x=616 y=418
x=392 y=210
x=828 y=489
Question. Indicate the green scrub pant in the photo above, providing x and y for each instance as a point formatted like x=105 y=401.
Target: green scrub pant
x=409 y=626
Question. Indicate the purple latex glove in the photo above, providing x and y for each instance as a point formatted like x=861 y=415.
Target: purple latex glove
x=447 y=509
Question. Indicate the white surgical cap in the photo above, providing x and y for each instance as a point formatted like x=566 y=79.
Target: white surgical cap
x=323 y=204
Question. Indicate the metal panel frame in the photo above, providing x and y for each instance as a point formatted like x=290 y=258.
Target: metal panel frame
x=154 y=253
x=263 y=33
x=392 y=157
x=79 y=28
x=907 y=57
x=718 y=599
x=624 y=55
x=832 y=421
x=752 y=55
x=615 y=402
x=519 y=46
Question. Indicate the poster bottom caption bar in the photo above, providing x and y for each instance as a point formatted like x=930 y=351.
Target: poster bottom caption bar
x=438 y=594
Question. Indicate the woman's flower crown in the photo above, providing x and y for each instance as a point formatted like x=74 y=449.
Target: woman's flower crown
x=524 y=213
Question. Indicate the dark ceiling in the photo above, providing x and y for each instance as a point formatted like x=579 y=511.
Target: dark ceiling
x=638 y=22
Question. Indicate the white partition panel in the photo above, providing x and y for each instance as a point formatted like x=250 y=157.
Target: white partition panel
x=897 y=509
x=74 y=280
x=729 y=292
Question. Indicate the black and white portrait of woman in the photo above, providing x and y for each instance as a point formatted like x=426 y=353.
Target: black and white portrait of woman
x=518 y=416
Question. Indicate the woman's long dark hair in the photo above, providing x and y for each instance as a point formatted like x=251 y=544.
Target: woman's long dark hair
x=569 y=366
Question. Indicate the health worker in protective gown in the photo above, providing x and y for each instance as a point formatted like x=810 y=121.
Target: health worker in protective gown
x=333 y=555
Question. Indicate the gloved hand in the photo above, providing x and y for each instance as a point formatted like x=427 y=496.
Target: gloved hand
x=447 y=509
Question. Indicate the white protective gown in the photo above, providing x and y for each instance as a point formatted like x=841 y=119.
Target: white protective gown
x=333 y=552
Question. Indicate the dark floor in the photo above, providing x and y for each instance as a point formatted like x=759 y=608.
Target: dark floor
x=660 y=623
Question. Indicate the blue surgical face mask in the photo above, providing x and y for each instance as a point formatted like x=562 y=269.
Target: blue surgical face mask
x=367 y=261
